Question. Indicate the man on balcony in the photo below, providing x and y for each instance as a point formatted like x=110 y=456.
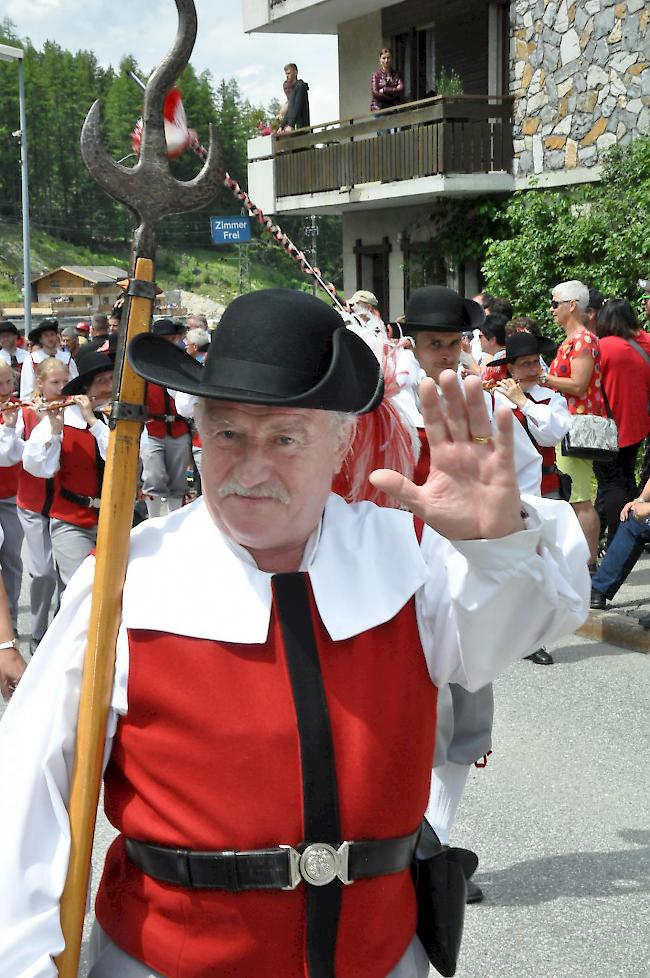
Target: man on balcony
x=297 y=114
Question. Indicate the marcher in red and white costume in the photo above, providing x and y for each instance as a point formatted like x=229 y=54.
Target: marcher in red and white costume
x=543 y=413
x=166 y=445
x=71 y=445
x=12 y=354
x=208 y=748
x=436 y=317
x=35 y=495
x=46 y=335
x=11 y=532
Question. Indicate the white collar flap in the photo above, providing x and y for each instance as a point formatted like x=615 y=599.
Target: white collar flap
x=365 y=567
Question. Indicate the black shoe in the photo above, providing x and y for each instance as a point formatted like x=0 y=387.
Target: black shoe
x=541 y=657
x=598 y=600
x=474 y=892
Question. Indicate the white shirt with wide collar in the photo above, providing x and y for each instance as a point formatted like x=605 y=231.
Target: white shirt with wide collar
x=547 y=423
x=20 y=355
x=27 y=376
x=479 y=604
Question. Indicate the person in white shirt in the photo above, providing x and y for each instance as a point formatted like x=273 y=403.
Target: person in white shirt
x=46 y=336
x=299 y=678
x=71 y=444
x=9 y=351
x=543 y=412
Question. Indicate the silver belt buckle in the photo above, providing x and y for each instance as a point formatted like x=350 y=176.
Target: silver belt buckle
x=318 y=864
x=94 y=503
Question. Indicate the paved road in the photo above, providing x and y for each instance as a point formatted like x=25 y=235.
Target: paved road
x=560 y=821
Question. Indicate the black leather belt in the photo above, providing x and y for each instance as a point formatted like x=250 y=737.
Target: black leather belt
x=90 y=502
x=279 y=868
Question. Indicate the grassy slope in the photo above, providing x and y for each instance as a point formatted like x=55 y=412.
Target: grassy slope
x=208 y=271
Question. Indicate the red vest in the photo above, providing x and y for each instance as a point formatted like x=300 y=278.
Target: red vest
x=34 y=494
x=160 y=403
x=79 y=472
x=9 y=475
x=211 y=761
x=550 y=477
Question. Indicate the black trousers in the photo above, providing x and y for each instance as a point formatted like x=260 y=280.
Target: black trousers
x=616 y=486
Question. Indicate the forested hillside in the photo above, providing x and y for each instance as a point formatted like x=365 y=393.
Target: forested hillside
x=70 y=209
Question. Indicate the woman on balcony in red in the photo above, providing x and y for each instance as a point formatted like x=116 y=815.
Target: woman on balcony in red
x=386 y=85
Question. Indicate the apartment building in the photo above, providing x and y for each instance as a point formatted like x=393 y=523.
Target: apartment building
x=547 y=87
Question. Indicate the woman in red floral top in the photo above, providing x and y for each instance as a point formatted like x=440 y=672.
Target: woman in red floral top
x=575 y=373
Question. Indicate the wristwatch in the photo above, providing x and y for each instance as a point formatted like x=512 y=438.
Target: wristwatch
x=9 y=645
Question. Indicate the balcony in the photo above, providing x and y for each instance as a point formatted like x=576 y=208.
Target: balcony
x=304 y=16
x=459 y=145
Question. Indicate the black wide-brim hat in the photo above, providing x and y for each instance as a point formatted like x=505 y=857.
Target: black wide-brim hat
x=438 y=309
x=275 y=347
x=524 y=345
x=34 y=335
x=9 y=327
x=90 y=365
x=167 y=327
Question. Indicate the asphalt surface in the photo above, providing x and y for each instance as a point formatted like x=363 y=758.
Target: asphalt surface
x=559 y=818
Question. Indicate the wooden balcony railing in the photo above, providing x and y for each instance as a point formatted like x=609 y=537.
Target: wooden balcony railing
x=443 y=135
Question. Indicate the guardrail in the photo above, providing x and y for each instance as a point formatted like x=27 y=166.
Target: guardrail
x=443 y=135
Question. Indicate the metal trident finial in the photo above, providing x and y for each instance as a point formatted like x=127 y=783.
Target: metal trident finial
x=148 y=188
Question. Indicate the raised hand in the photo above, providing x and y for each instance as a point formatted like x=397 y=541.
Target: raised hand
x=471 y=492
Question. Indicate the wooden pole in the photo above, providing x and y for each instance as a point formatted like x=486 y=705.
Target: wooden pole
x=115 y=519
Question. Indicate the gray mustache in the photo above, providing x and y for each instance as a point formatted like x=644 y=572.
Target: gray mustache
x=264 y=491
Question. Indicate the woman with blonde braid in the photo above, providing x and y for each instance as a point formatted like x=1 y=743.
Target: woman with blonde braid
x=34 y=496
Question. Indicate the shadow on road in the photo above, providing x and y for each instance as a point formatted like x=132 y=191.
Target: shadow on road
x=590 y=650
x=575 y=874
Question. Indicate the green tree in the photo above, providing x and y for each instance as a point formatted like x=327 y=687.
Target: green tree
x=598 y=233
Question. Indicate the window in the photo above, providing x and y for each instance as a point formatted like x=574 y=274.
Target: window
x=415 y=58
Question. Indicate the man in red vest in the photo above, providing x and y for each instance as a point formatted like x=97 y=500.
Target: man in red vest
x=166 y=446
x=269 y=754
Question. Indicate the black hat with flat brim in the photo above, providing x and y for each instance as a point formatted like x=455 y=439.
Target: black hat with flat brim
x=437 y=309
x=524 y=344
x=276 y=347
x=34 y=335
x=167 y=327
x=91 y=364
x=8 y=327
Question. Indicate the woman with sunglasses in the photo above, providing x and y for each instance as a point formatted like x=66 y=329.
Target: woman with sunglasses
x=575 y=372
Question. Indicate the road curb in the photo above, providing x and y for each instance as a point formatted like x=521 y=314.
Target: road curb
x=616 y=629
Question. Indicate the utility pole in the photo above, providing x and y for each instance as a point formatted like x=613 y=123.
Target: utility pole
x=8 y=53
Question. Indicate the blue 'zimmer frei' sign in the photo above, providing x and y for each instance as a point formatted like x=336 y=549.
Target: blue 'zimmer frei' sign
x=230 y=230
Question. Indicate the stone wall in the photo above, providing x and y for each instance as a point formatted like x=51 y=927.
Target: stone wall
x=580 y=74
